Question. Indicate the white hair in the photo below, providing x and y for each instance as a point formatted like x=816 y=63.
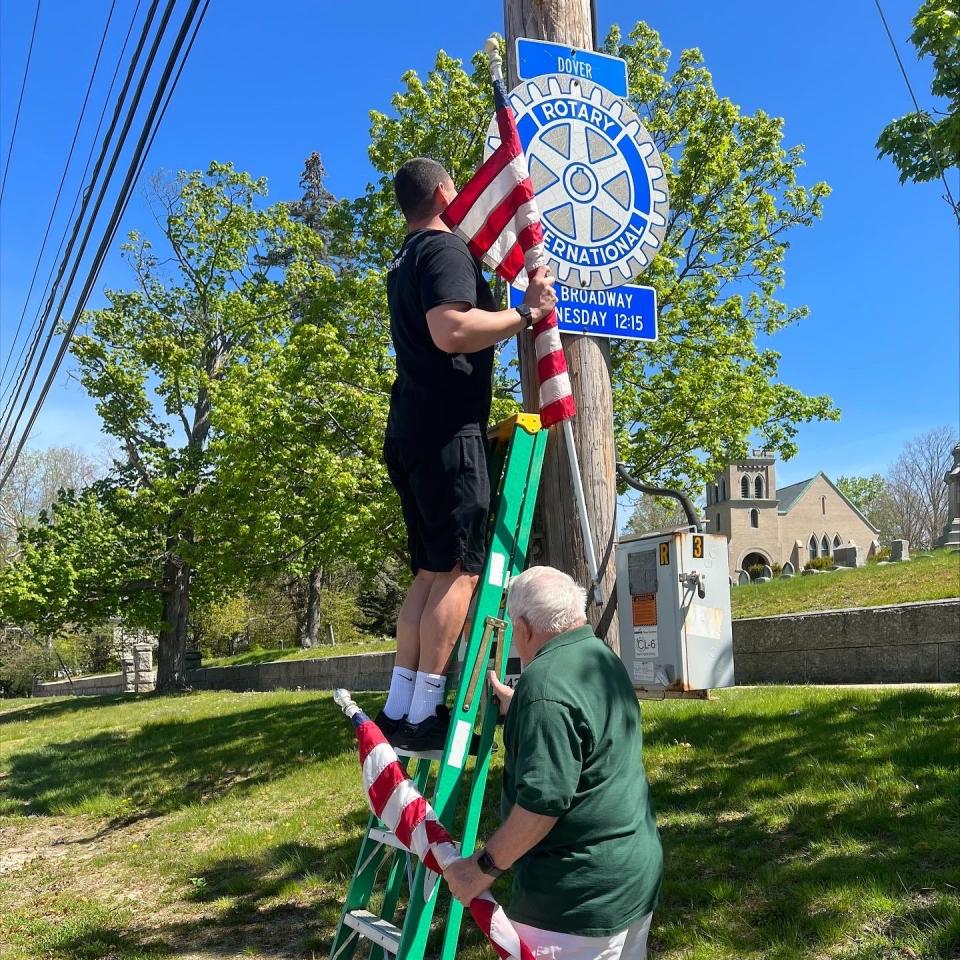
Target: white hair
x=548 y=600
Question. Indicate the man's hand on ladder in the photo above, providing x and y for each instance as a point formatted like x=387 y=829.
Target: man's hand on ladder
x=501 y=691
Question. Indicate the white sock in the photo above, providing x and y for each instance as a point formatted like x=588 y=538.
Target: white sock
x=428 y=694
x=401 y=693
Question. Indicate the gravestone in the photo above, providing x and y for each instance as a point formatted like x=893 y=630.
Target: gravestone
x=787 y=572
x=849 y=555
x=899 y=550
x=743 y=578
x=951 y=529
x=766 y=574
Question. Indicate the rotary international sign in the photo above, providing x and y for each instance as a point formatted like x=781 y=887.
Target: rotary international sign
x=599 y=180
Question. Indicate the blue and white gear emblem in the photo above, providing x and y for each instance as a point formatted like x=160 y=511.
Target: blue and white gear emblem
x=599 y=179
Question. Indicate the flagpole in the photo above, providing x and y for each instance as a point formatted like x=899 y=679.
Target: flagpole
x=492 y=49
x=582 y=511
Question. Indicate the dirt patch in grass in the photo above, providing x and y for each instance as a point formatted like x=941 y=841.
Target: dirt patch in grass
x=82 y=838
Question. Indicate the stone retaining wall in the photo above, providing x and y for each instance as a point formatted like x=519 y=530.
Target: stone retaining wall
x=362 y=671
x=906 y=643
x=101 y=685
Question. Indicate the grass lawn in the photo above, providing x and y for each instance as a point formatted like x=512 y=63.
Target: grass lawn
x=797 y=823
x=367 y=645
x=932 y=576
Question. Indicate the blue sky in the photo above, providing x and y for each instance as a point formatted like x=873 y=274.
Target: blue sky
x=269 y=83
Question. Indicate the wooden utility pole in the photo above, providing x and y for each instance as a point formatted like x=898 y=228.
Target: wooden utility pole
x=558 y=539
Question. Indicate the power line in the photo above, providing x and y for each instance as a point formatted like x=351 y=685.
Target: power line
x=80 y=189
x=126 y=191
x=23 y=87
x=56 y=201
x=916 y=107
x=118 y=109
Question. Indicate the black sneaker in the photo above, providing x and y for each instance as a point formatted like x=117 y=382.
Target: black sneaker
x=429 y=734
x=389 y=727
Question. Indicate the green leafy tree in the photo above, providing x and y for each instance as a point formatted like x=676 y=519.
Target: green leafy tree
x=299 y=429
x=690 y=402
x=873 y=498
x=924 y=144
x=154 y=359
x=78 y=566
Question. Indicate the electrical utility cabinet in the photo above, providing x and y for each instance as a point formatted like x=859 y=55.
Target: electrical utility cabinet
x=673 y=598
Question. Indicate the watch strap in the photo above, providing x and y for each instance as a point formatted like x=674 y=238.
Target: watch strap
x=486 y=864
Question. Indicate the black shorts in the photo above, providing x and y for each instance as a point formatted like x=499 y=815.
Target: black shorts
x=445 y=496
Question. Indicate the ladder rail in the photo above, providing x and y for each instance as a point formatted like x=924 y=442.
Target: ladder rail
x=516 y=463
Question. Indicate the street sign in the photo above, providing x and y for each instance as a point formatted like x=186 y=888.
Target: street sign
x=538 y=57
x=599 y=180
x=628 y=311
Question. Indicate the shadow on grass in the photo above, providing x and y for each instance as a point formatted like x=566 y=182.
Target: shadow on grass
x=775 y=819
x=39 y=710
x=165 y=766
x=282 y=902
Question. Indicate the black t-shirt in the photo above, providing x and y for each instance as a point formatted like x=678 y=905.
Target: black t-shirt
x=437 y=395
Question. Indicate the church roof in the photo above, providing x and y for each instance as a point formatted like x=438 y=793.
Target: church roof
x=788 y=496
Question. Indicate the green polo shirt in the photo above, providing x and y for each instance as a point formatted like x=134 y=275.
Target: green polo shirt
x=573 y=750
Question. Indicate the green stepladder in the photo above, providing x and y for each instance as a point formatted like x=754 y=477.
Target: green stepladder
x=517 y=450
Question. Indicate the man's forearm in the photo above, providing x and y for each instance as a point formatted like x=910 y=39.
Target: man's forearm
x=520 y=832
x=467 y=331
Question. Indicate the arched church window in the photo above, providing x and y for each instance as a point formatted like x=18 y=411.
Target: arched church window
x=812 y=547
x=745 y=488
x=754 y=518
x=837 y=541
x=758 y=488
x=824 y=547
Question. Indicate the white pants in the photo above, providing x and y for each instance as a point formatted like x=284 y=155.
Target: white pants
x=629 y=944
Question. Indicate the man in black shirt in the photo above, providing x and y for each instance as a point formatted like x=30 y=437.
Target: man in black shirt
x=445 y=325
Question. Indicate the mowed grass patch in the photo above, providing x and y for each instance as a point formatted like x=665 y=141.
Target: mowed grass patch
x=367 y=645
x=796 y=823
x=932 y=576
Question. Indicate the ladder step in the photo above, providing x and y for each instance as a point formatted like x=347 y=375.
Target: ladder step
x=423 y=755
x=372 y=927
x=387 y=838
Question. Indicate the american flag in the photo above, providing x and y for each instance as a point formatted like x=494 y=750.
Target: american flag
x=496 y=213
x=394 y=798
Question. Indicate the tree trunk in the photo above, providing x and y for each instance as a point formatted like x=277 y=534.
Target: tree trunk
x=171 y=673
x=310 y=627
x=557 y=539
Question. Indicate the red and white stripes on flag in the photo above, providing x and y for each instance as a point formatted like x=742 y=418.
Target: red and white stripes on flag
x=394 y=798
x=496 y=213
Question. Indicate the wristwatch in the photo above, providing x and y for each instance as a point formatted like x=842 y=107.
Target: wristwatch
x=526 y=314
x=485 y=861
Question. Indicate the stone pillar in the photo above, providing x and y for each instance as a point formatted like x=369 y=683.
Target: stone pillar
x=951 y=530
x=143 y=667
x=129 y=675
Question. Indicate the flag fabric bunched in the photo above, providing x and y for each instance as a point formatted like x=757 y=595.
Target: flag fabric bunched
x=496 y=214
x=394 y=798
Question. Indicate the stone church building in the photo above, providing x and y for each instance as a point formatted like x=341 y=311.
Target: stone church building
x=765 y=525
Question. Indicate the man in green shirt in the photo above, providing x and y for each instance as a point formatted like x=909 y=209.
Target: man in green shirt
x=578 y=824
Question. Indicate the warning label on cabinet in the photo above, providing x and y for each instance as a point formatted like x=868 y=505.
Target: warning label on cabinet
x=645 y=625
